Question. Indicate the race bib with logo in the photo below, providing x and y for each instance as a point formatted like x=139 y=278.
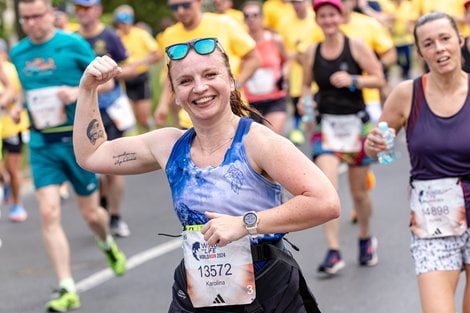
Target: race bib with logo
x=46 y=109
x=341 y=133
x=262 y=82
x=437 y=208
x=218 y=276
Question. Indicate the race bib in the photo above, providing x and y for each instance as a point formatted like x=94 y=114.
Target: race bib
x=46 y=109
x=121 y=113
x=218 y=276
x=341 y=133
x=437 y=208
x=262 y=82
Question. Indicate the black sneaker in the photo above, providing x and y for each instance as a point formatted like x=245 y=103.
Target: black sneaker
x=119 y=228
x=368 y=252
x=332 y=263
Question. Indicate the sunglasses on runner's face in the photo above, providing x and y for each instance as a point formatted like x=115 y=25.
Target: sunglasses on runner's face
x=201 y=46
x=251 y=15
x=175 y=6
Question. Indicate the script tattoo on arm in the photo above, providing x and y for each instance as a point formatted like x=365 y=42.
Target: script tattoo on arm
x=94 y=131
x=124 y=157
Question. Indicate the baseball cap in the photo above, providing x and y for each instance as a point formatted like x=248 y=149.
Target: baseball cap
x=124 y=17
x=124 y=14
x=87 y=3
x=336 y=3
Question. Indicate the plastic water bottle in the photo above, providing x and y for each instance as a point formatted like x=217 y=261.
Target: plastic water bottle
x=389 y=155
x=308 y=105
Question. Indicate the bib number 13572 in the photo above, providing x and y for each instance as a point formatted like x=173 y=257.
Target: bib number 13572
x=216 y=275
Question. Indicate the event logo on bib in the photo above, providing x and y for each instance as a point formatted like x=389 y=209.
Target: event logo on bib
x=205 y=251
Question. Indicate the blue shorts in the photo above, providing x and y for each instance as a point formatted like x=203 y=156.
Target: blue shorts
x=55 y=164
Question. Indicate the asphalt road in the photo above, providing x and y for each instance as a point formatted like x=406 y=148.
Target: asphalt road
x=26 y=277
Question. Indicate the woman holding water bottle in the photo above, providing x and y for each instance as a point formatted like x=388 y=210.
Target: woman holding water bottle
x=435 y=109
x=336 y=65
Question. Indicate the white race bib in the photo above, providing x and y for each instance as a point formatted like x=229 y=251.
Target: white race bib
x=341 y=133
x=437 y=208
x=121 y=113
x=262 y=82
x=216 y=275
x=46 y=109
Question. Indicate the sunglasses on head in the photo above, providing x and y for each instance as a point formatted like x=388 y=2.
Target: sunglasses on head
x=185 y=5
x=201 y=46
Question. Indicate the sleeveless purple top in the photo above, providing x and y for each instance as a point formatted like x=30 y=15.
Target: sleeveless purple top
x=439 y=147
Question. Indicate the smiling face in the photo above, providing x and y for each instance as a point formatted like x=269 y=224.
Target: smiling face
x=439 y=45
x=202 y=84
x=328 y=17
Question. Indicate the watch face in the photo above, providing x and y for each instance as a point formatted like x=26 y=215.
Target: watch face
x=250 y=219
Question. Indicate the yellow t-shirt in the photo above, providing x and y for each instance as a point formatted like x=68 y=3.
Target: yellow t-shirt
x=388 y=6
x=72 y=27
x=237 y=15
x=235 y=41
x=274 y=11
x=138 y=44
x=374 y=34
x=404 y=16
x=454 y=8
x=8 y=126
x=294 y=40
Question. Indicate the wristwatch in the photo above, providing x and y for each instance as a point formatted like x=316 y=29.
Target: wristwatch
x=250 y=219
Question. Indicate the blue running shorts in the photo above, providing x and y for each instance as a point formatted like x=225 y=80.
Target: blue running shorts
x=56 y=163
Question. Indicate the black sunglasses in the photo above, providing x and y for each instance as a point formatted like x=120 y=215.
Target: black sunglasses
x=185 y=5
x=251 y=15
x=201 y=46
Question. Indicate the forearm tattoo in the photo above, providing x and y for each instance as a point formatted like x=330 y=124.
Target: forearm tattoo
x=124 y=157
x=94 y=131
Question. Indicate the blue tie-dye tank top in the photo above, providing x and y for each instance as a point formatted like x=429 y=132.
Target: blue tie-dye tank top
x=231 y=188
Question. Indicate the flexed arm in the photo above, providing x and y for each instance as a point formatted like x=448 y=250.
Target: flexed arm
x=127 y=155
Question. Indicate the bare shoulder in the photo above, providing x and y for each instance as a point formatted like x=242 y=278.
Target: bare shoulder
x=403 y=92
x=161 y=141
x=360 y=50
x=262 y=136
x=357 y=44
x=262 y=143
x=397 y=107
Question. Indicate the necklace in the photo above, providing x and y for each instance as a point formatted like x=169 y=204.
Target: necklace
x=211 y=151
